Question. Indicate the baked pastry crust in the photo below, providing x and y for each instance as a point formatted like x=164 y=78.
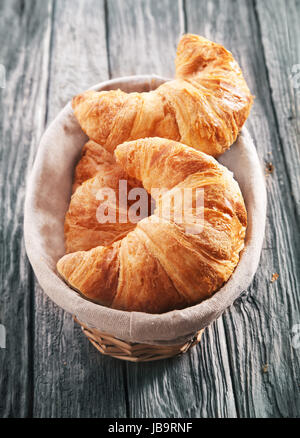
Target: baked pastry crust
x=205 y=107
x=97 y=170
x=159 y=265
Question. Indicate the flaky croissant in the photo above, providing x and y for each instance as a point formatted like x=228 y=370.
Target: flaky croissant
x=204 y=107
x=97 y=170
x=95 y=159
x=163 y=264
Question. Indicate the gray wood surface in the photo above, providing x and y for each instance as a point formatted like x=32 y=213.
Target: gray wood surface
x=22 y=103
x=246 y=364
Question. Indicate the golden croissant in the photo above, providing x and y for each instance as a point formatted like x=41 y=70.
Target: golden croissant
x=164 y=263
x=205 y=107
x=96 y=171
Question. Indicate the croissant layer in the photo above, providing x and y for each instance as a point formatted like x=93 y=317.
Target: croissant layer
x=96 y=172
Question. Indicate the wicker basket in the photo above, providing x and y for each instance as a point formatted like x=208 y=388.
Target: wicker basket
x=134 y=352
x=57 y=156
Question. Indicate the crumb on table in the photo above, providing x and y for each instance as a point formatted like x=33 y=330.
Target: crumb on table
x=269 y=168
x=265 y=368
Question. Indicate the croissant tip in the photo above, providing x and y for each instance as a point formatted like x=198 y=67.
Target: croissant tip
x=192 y=37
x=60 y=266
x=77 y=100
x=66 y=265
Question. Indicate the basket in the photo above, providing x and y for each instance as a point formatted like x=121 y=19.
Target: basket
x=133 y=351
x=131 y=336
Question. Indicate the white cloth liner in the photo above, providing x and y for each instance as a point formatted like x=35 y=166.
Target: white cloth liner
x=47 y=199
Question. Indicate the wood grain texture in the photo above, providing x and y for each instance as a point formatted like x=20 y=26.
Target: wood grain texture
x=258 y=328
x=78 y=51
x=143 y=36
x=22 y=105
x=280 y=32
x=198 y=384
x=71 y=378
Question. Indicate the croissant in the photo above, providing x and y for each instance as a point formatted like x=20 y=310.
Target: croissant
x=96 y=171
x=205 y=107
x=95 y=159
x=164 y=263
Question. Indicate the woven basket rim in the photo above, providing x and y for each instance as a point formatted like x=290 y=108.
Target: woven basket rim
x=109 y=345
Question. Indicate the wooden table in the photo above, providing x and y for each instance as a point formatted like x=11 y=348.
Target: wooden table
x=247 y=364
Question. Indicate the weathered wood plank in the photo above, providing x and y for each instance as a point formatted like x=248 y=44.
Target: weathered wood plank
x=24 y=35
x=258 y=328
x=279 y=27
x=71 y=378
x=198 y=384
x=142 y=38
x=78 y=51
